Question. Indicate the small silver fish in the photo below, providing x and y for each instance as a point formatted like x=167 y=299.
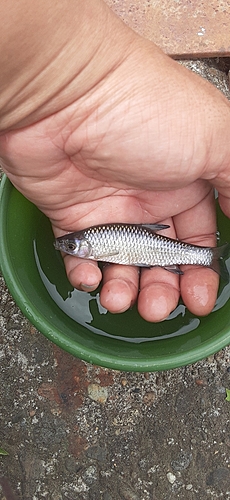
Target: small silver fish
x=139 y=245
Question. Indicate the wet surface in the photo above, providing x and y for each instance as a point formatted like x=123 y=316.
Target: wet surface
x=73 y=430
x=180 y=28
x=77 y=431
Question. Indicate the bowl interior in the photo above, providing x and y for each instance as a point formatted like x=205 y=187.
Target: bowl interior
x=35 y=275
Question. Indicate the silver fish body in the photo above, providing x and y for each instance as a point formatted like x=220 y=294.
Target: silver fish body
x=136 y=245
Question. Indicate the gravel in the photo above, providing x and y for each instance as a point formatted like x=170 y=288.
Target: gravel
x=77 y=431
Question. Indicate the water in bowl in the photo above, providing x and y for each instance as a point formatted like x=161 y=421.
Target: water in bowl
x=86 y=310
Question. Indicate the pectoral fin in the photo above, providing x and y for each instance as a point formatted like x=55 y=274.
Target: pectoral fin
x=104 y=256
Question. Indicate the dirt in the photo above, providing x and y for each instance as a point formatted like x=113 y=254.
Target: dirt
x=77 y=431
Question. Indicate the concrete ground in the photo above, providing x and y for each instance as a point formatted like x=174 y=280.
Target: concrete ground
x=77 y=431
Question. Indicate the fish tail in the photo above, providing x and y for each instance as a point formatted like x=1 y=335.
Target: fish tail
x=218 y=263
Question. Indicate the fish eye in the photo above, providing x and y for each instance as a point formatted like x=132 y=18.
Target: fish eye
x=71 y=246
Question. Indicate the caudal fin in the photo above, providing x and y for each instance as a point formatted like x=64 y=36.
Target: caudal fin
x=218 y=265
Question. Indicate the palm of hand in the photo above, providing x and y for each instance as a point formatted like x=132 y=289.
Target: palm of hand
x=74 y=195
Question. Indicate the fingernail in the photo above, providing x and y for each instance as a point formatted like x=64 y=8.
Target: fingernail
x=88 y=288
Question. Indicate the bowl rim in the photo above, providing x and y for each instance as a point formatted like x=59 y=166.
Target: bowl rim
x=36 y=317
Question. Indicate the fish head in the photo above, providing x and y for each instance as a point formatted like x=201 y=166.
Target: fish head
x=73 y=246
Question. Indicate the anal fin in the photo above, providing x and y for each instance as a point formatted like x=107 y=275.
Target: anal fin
x=172 y=269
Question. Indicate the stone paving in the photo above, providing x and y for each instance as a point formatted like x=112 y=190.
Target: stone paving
x=179 y=27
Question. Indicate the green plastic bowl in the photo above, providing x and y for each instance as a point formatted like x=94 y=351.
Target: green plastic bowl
x=75 y=321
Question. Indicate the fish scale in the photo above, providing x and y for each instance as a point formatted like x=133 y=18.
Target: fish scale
x=140 y=245
x=132 y=245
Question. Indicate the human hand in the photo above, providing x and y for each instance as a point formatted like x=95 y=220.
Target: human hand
x=44 y=162
x=140 y=147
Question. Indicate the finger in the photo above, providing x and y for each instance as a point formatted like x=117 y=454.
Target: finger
x=120 y=287
x=159 y=289
x=222 y=184
x=199 y=290
x=199 y=286
x=159 y=294
x=224 y=202
x=83 y=274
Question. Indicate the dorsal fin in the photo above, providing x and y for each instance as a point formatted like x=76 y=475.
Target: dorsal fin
x=155 y=227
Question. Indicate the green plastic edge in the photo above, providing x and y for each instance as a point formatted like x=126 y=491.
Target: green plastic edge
x=194 y=355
